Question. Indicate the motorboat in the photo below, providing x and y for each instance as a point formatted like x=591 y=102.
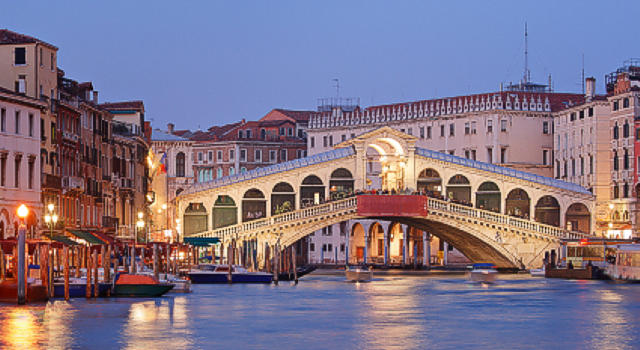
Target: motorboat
x=537 y=272
x=300 y=271
x=78 y=288
x=625 y=266
x=214 y=273
x=180 y=285
x=483 y=272
x=358 y=274
x=138 y=285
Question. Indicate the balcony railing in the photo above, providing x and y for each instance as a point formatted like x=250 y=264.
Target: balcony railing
x=73 y=183
x=51 y=182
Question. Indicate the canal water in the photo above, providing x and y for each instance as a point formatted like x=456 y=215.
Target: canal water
x=324 y=312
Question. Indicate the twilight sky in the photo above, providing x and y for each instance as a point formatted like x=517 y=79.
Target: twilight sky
x=202 y=63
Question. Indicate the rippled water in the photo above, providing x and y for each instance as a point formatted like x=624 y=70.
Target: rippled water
x=324 y=312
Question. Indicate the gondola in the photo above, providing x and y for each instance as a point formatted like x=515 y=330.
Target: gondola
x=302 y=270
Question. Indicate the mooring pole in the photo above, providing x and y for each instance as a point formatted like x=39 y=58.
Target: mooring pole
x=66 y=272
x=293 y=260
x=22 y=278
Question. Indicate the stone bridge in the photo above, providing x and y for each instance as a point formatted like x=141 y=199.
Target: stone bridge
x=488 y=212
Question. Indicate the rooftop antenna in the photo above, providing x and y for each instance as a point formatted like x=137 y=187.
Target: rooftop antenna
x=526 y=54
x=582 y=81
x=337 y=81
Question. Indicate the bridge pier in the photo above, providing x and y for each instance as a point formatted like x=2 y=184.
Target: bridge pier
x=405 y=244
x=445 y=253
x=386 y=246
x=426 y=250
x=366 y=243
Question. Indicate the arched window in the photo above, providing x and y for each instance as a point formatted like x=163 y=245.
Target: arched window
x=263 y=134
x=180 y=164
x=615 y=160
x=615 y=131
x=625 y=160
x=625 y=190
x=625 y=129
x=616 y=190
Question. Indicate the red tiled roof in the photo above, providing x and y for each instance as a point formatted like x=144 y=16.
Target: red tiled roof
x=8 y=37
x=124 y=105
x=297 y=115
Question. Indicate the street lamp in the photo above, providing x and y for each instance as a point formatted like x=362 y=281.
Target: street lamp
x=51 y=218
x=23 y=211
x=140 y=224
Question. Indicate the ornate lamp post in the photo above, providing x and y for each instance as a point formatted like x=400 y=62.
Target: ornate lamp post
x=51 y=218
x=140 y=225
x=23 y=211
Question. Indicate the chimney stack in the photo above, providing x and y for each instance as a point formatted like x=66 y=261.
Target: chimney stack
x=590 y=88
x=95 y=97
x=170 y=128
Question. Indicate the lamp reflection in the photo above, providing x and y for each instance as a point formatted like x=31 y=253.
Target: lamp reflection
x=21 y=330
x=149 y=319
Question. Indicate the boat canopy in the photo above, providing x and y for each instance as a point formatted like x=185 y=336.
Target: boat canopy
x=87 y=236
x=62 y=239
x=201 y=241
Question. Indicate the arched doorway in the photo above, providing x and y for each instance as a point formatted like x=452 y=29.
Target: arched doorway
x=376 y=243
x=195 y=218
x=311 y=191
x=340 y=184
x=225 y=212
x=548 y=211
x=356 y=243
x=254 y=205
x=459 y=190
x=429 y=181
x=578 y=218
x=283 y=198
x=518 y=203
x=488 y=197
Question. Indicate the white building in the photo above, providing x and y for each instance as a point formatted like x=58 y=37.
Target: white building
x=19 y=161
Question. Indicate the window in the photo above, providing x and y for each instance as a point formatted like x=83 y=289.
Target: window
x=325 y=141
x=210 y=156
x=473 y=154
x=219 y=156
x=581 y=165
x=473 y=127
x=545 y=128
x=341 y=247
x=263 y=134
x=243 y=170
x=590 y=164
x=20 y=56
x=232 y=154
x=219 y=173
x=17 y=122
x=16 y=174
x=331 y=140
x=258 y=155
x=489 y=126
x=452 y=152
x=545 y=155
x=3 y=120
x=625 y=191
x=313 y=141
x=21 y=84
x=616 y=133
x=232 y=171
x=30 y=125
x=489 y=155
x=467 y=154
x=290 y=132
x=452 y=129
x=428 y=132
x=330 y=247
x=199 y=156
x=615 y=105
x=283 y=155
x=566 y=167
x=353 y=135
x=557 y=169
x=625 y=160
x=503 y=155
x=243 y=155
x=625 y=102
x=590 y=111
x=3 y=170
x=581 y=114
x=572 y=116
x=41 y=61
x=421 y=132
x=282 y=131
x=52 y=64
x=272 y=156
x=467 y=128
x=503 y=125
x=240 y=134
x=441 y=130
x=616 y=190
x=248 y=134
x=343 y=137
x=625 y=129
x=410 y=131
x=180 y=164
x=312 y=247
x=31 y=168
x=615 y=160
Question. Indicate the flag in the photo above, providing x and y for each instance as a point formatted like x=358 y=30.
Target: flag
x=163 y=163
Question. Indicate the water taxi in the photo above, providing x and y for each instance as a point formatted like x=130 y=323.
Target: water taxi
x=483 y=272
x=625 y=265
x=358 y=274
x=213 y=273
x=134 y=285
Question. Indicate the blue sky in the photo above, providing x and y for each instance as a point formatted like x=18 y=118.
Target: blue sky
x=202 y=63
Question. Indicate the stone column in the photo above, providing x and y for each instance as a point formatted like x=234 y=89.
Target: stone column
x=386 y=246
x=405 y=243
x=426 y=249
x=445 y=253
x=366 y=240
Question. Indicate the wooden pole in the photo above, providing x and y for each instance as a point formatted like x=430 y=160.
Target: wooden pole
x=230 y=261
x=104 y=261
x=15 y=259
x=133 y=259
x=168 y=256
x=107 y=271
x=50 y=264
x=293 y=261
x=2 y=264
x=66 y=272
x=126 y=258
x=76 y=260
x=276 y=264
x=96 y=290
x=155 y=260
x=44 y=272
x=88 y=289
x=58 y=261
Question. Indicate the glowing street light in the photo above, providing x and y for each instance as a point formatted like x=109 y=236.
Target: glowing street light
x=23 y=211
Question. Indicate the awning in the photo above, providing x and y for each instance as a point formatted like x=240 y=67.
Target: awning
x=62 y=239
x=201 y=241
x=86 y=236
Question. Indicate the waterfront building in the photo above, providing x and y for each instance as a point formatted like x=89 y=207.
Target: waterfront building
x=19 y=163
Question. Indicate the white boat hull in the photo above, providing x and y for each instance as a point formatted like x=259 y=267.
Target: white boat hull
x=358 y=275
x=483 y=276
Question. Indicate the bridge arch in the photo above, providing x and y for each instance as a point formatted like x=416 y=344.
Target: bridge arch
x=578 y=218
x=547 y=210
x=224 y=212
x=340 y=184
x=195 y=218
x=488 y=197
x=283 y=198
x=356 y=245
x=254 y=205
x=311 y=191
x=518 y=203
x=459 y=189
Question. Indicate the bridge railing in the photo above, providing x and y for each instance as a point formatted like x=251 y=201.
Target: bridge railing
x=502 y=219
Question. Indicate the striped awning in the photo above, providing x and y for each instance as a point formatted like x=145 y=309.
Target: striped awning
x=86 y=236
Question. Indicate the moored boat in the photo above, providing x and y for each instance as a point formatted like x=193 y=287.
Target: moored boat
x=300 y=271
x=358 y=274
x=483 y=272
x=78 y=288
x=626 y=264
x=211 y=274
x=537 y=272
x=134 y=285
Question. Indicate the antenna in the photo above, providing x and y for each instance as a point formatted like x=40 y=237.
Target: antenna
x=337 y=81
x=526 y=54
x=582 y=73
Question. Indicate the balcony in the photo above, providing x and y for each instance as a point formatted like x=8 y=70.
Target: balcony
x=73 y=183
x=126 y=183
x=69 y=136
x=51 y=182
x=110 y=222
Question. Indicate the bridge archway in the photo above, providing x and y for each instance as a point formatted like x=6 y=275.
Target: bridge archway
x=224 y=212
x=429 y=181
x=340 y=184
x=518 y=203
x=376 y=242
x=578 y=218
x=459 y=189
x=488 y=197
x=396 y=242
x=357 y=243
x=283 y=198
x=547 y=211
x=254 y=205
x=311 y=191
x=195 y=218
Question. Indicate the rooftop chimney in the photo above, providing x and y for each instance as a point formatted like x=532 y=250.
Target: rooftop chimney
x=590 y=88
x=170 y=128
x=95 y=97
